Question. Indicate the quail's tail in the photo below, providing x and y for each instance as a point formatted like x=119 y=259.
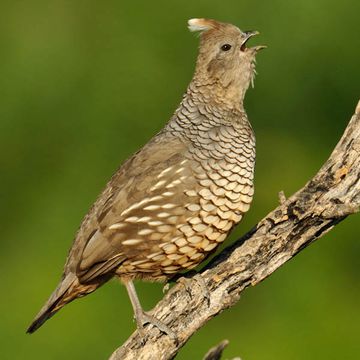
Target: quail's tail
x=68 y=290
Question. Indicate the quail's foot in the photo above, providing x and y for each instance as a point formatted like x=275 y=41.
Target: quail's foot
x=143 y=318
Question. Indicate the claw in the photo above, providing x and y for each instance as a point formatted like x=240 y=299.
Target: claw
x=142 y=318
x=166 y=288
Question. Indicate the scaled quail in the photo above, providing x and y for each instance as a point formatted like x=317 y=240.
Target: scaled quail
x=174 y=201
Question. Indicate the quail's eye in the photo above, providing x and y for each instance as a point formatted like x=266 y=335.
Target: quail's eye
x=226 y=47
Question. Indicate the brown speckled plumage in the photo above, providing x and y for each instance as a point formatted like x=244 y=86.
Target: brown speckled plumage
x=177 y=198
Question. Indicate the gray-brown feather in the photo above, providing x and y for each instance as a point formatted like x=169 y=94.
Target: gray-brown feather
x=174 y=201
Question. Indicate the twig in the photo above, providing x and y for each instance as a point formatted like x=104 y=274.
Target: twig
x=332 y=195
x=215 y=352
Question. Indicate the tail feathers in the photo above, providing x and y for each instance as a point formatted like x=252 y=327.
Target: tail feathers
x=68 y=290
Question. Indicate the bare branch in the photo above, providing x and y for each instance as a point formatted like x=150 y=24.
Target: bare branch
x=332 y=195
x=215 y=352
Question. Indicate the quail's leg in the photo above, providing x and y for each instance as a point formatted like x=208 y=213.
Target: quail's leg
x=141 y=317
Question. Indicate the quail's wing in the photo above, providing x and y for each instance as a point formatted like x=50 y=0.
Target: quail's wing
x=138 y=208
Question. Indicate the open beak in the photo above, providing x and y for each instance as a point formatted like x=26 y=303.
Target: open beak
x=247 y=36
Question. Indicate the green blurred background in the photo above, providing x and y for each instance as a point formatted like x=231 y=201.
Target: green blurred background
x=86 y=83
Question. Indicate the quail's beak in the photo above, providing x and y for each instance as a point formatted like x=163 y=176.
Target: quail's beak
x=247 y=35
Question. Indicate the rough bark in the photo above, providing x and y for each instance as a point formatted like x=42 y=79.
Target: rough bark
x=328 y=198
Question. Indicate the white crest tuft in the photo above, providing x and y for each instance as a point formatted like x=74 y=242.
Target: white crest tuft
x=198 y=25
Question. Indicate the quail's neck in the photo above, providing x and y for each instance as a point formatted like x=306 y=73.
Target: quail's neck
x=214 y=93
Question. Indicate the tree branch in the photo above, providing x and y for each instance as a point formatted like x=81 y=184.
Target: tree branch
x=215 y=352
x=328 y=198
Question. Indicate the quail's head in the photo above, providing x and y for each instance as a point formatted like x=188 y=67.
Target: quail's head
x=224 y=57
